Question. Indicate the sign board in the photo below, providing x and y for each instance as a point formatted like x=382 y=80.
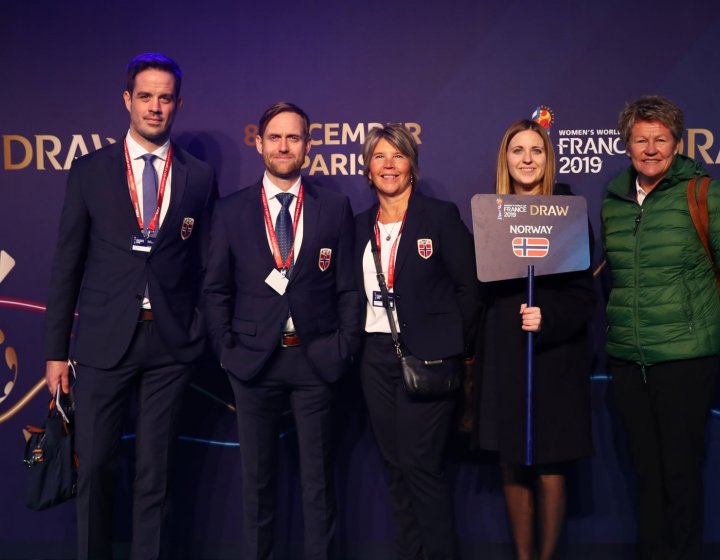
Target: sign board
x=515 y=231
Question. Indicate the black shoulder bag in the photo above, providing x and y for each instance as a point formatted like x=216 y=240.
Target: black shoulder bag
x=421 y=377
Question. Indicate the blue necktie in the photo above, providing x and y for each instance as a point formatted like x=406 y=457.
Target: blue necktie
x=284 y=226
x=150 y=185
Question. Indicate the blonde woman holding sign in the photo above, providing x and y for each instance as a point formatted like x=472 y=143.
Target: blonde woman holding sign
x=561 y=394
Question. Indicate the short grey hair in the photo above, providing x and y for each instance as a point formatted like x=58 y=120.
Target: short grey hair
x=651 y=108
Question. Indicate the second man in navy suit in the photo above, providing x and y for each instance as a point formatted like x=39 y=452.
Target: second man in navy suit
x=283 y=315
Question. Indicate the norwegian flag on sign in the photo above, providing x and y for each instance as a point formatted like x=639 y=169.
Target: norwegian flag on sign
x=530 y=246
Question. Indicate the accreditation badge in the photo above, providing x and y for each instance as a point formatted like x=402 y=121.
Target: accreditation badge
x=277 y=280
x=378 y=302
x=186 y=228
x=324 y=259
x=425 y=248
x=142 y=244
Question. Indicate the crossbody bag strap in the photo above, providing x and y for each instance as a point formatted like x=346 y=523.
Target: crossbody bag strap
x=698 y=206
x=384 y=291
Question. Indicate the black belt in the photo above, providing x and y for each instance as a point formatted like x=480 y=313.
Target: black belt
x=289 y=340
x=146 y=315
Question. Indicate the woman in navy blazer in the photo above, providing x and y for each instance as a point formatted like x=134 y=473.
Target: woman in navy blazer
x=428 y=261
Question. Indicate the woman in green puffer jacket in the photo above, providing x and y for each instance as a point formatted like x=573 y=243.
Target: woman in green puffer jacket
x=663 y=325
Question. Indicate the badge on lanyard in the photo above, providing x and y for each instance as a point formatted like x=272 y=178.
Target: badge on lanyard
x=277 y=280
x=145 y=242
x=378 y=302
x=142 y=244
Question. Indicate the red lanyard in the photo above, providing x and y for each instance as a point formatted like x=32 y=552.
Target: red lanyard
x=271 y=229
x=393 y=249
x=133 y=191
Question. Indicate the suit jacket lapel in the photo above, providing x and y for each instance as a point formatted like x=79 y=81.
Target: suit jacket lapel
x=256 y=221
x=363 y=231
x=119 y=194
x=177 y=190
x=367 y=228
x=408 y=240
x=310 y=221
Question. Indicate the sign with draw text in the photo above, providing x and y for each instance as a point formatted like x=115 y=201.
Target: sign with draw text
x=513 y=232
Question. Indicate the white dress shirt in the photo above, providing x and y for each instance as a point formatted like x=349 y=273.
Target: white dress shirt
x=376 y=319
x=136 y=152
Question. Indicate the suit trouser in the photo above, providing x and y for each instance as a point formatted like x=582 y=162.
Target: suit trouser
x=412 y=434
x=101 y=401
x=665 y=420
x=288 y=376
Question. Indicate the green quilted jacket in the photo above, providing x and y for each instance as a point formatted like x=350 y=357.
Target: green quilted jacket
x=664 y=303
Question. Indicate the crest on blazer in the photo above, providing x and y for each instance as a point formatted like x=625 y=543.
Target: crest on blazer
x=324 y=259
x=425 y=248
x=186 y=228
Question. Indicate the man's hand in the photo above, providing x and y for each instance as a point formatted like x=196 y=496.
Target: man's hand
x=56 y=372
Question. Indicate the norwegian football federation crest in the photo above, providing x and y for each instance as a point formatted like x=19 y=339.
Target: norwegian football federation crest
x=530 y=246
x=425 y=248
x=324 y=259
x=186 y=228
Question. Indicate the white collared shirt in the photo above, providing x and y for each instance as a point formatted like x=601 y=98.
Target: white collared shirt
x=271 y=191
x=641 y=194
x=136 y=152
x=376 y=319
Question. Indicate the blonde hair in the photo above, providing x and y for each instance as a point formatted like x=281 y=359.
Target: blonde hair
x=503 y=181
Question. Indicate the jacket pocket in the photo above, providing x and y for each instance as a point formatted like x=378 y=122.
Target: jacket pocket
x=243 y=326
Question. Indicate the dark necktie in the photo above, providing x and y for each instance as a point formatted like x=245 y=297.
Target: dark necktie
x=149 y=184
x=284 y=226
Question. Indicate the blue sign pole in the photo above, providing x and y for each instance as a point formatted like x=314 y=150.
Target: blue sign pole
x=529 y=372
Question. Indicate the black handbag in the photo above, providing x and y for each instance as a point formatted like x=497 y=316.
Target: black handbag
x=431 y=377
x=420 y=377
x=50 y=456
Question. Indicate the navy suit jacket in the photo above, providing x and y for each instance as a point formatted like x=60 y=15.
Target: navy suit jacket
x=246 y=316
x=95 y=267
x=437 y=297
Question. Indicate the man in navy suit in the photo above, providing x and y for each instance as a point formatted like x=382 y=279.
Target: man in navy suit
x=284 y=318
x=132 y=243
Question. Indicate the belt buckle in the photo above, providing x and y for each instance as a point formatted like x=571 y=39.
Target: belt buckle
x=146 y=315
x=289 y=340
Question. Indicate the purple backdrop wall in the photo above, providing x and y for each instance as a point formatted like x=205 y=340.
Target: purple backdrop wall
x=458 y=74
